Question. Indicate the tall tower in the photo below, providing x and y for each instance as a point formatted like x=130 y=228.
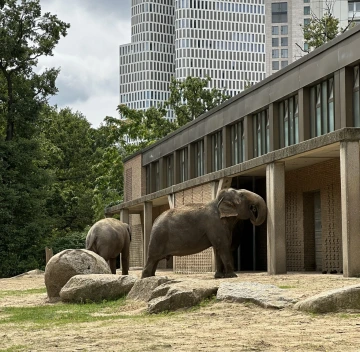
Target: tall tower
x=148 y=62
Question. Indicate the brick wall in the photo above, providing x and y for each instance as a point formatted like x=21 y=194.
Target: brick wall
x=137 y=244
x=300 y=184
x=135 y=179
x=201 y=262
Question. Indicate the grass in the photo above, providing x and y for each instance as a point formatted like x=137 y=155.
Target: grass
x=22 y=292
x=14 y=348
x=286 y=287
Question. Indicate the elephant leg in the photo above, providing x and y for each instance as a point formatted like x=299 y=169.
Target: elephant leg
x=219 y=266
x=112 y=264
x=150 y=268
x=125 y=264
x=225 y=258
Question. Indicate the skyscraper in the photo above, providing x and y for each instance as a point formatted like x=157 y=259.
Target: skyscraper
x=221 y=39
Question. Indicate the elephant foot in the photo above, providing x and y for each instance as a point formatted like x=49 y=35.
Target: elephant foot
x=230 y=274
x=219 y=275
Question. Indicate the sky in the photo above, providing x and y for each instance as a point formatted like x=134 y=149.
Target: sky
x=88 y=55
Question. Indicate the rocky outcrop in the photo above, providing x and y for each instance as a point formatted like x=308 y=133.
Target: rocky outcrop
x=267 y=296
x=68 y=263
x=346 y=298
x=143 y=289
x=179 y=294
x=96 y=288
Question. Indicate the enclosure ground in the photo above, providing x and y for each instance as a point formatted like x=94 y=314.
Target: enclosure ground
x=216 y=326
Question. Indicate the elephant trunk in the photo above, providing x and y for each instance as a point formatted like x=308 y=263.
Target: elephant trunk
x=258 y=210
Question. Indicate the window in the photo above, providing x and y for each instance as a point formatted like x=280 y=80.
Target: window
x=275 y=65
x=199 y=158
x=284 y=41
x=169 y=165
x=284 y=53
x=306 y=10
x=274 y=30
x=279 y=12
x=216 y=151
x=275 y=41
x=148 y=180
x=284 y=30
x=306 y=1
x=275 y=53
x=284 y=64
x=306 y=21
x=289 y=121
x=237 y=143
x=322 y=108
x=156 y=176
x=183 y=160
x=261 y=133
x=356 y=97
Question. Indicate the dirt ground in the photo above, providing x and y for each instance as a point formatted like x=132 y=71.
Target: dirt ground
x=217 y=326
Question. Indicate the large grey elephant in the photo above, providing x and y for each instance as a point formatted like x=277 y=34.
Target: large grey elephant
x=191 y=229
x=109 y=237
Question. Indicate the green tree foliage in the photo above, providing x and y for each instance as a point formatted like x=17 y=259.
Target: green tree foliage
x=321 y=30
x=190 y=98
x=25 y=35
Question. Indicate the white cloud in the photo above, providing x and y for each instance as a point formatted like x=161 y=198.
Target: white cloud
x=88 y=55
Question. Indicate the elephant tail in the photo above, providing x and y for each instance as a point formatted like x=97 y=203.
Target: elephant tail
x=129 y=231
x=89 y=242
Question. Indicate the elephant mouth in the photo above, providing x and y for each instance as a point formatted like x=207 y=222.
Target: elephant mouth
x=254 y=212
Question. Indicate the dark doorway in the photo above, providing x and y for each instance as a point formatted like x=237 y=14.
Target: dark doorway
x=249 y=240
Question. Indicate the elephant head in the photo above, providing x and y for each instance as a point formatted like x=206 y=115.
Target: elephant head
x=242 y=204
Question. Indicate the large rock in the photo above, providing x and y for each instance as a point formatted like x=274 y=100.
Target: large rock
x=143 y=289
x=96 y=288
x=346 y=298
x=267 y=296
x=175 y=295
x=68 y=263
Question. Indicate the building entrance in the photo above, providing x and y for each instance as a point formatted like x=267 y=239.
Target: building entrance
x=249 y=241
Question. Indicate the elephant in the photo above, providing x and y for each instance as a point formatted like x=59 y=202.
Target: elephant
x=194 y=228
x=109 y=237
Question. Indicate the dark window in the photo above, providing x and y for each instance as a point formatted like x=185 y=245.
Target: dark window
x=148 y=180
x=356 y=97
x=199 y=158
x=306 y=10
x=237 y=143
x=279 y=12
x=275 y=65
x=169 y=165
x=261 y=133
x=183 y=160
x=289 y=121
x=322 y=108
x=216 y=151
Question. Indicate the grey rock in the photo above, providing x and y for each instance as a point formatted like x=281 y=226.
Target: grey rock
x=68 y=263
x=143 y=289
x=342 y=299
x=267 y=296
x=96 y=288
x=180 y=294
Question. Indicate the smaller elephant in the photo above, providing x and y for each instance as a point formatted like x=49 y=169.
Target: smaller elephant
x=109 y=237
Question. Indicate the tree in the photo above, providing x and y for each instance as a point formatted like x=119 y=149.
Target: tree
x=190 y=98
x=25 y=180
x=321 y=30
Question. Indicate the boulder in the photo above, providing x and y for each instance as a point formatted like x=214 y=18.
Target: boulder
x=96 y=288
x=68 y=263
x=342 y=299
x=143 y=289
x=180 y=294
x=267 y=296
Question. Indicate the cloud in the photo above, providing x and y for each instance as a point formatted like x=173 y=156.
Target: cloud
x=89 y=55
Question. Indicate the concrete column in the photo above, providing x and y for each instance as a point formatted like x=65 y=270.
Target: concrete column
x=124 y=215
x=275 y=199
x=176 y=166
x=350 y=207
x=274 y=127
x=207 y=155
x=226 y=141
x=147 y=228
x=249 y=138
x=191 y=162
x=343 y=88
x=304 y=114
x=162 y=173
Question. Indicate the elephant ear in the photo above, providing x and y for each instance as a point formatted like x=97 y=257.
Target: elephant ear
x=227 y=209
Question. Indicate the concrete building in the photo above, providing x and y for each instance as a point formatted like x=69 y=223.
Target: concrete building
x=292 y=138
x=224 y=39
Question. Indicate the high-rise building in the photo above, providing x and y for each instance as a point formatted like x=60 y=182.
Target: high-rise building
x=223 y=39
x=284 y=31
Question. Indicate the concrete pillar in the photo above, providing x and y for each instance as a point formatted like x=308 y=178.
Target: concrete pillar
x=343 y=88
x=275 y=199
x=226 y=141
x=304 y=114
x=176 y=166
x=162 y=173
x=274 y=127
x=191 y=162
x=350 y=207
x=147 y=228
x=124 y=215
x=249 y=137
x=207 y=155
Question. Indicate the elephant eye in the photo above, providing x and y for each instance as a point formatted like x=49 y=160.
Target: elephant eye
x=253 y=210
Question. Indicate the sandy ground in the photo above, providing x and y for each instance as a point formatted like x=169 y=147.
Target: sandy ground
x=218 y=326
